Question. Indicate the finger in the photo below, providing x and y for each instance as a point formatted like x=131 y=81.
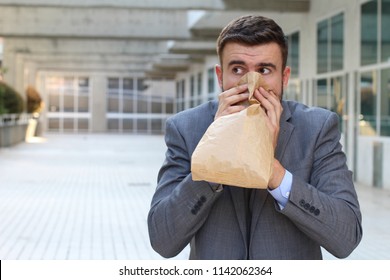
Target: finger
x=232 y=97
x=269 y=99
x=275 y=100
x=269 y=104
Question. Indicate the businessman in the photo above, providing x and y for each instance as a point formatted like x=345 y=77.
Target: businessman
x=310 y=201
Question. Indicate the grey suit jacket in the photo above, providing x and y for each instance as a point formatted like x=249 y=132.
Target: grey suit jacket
x=322 y=209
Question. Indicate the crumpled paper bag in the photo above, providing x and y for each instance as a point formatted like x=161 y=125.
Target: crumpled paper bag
x=237 y=149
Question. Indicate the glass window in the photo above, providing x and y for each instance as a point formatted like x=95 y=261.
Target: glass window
x=367 y=119
x=69 y=103
x=293 y=54
x=113 y=86
x=199 y=88
x=199 y=84
x=141 y=85
x=178 y=96
x=69 y=95
x=322 y=93
x=142 y=105
x=142 y=125
x=113 y=124
x=385 y=35
x=128 y=83
x=192 y=91
x=183 y=88
x=330 y=96
x=54 y=102
x=210 y=80
x=157 y=125
x=83 y=105
x=337 y=42
x=322 y=46
x=369 y=33
x=128 y=125
x=113 y=83
x=337 y=99
x=169 y=106
x=113 y=105
x=54 y=124
x=83 y=124
x=83 y=84
x=128 y=103
x=385 y=103
x=330 y=44
x=128 y=87
x=192 y=86
x=68 y=124
x=156 y=106
x=68 y=84
x=293 y=90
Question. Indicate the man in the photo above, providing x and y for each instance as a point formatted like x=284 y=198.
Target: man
x=310 y=201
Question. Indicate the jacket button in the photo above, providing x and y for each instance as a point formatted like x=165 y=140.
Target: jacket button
x=302 y=202
x=203 y=199
x=194 y=212
x=312 y=209
x=307 y=206
x=317 y=212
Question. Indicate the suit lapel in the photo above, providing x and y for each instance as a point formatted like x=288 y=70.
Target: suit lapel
x=257 y=200
x=259 y=196
x=238 y=199
x=286 y=128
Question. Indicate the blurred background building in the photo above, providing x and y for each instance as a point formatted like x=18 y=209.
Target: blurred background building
x=124 y=66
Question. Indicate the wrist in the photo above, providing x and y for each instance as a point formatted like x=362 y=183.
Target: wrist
x=277 y=175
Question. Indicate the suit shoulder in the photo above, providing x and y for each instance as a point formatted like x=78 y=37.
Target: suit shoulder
x=195 y=119
x=313 y=118
x=302 y=111
x=205 y=111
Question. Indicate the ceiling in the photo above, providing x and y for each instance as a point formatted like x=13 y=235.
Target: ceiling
x=156 y=37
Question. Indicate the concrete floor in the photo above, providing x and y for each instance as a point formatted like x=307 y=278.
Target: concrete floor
x=87 y=197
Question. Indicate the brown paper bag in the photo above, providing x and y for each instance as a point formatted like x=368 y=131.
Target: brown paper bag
x=237 y=149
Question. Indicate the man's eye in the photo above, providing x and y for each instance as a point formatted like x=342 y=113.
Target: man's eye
x=237 y=70
x=264 y=71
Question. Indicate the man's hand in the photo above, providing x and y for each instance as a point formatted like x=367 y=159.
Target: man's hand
x=228 y=100
x=277 y=175
x=273 y=108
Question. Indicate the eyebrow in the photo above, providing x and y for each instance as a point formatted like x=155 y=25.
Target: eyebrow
x=261 y=64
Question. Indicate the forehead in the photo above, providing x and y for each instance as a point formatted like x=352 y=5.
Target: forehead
x=264 y=53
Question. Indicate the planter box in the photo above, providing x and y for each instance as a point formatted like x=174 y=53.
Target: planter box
x=12 y=129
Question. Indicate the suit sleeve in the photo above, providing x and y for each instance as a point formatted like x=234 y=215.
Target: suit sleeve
x=326 y=208
x=179 y=206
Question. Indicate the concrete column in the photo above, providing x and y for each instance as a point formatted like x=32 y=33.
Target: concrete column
x=98 y=103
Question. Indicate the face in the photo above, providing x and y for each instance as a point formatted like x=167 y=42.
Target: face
x=238 y=59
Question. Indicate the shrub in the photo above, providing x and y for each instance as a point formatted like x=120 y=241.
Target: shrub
x=34 y=100
x=10 y=100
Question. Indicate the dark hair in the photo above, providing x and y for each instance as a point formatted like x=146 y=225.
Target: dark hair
x=253 y=30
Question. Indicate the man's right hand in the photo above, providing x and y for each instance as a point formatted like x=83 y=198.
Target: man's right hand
x=229 y=100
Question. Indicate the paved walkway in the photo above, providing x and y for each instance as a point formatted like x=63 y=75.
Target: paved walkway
x=87 y=197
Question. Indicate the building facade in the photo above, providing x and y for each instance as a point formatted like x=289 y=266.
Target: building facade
x=125 y=68
x=339 y=54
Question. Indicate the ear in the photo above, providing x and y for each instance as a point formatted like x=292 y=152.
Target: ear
x=218 y=72
x=286 y=75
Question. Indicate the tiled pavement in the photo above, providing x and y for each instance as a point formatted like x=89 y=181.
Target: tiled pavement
x=87 y=197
